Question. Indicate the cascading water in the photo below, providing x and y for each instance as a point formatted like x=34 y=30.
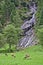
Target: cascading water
x=29 y=38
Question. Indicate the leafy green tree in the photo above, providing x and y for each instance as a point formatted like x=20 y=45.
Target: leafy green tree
x=11 y=35
x=6 y=8
x=16 y=20
x=39 y=18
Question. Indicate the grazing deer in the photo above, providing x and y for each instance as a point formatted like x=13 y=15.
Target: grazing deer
x=6 y=54
x=13 y=55
x=27 y=56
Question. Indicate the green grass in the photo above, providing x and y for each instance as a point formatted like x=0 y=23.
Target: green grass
x=35 y=52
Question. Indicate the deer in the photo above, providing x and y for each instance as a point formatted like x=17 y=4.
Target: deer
x=27 y=56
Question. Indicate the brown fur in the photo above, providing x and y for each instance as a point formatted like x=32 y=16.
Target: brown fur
x=13 y=55
x=27 y=56
x=6 y=54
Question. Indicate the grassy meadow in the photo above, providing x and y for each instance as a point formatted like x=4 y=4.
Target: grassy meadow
x=18 y=58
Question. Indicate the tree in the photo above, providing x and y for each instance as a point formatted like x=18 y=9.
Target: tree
x=6 y=8
x=2 y=41
x=11 y=35
x=40 y=35
x=16 y=20
x=39 y=16
x=2 y=11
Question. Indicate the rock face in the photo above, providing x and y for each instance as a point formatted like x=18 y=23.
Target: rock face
x=29 y=39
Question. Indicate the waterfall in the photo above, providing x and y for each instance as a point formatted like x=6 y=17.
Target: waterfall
x=29 y=38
